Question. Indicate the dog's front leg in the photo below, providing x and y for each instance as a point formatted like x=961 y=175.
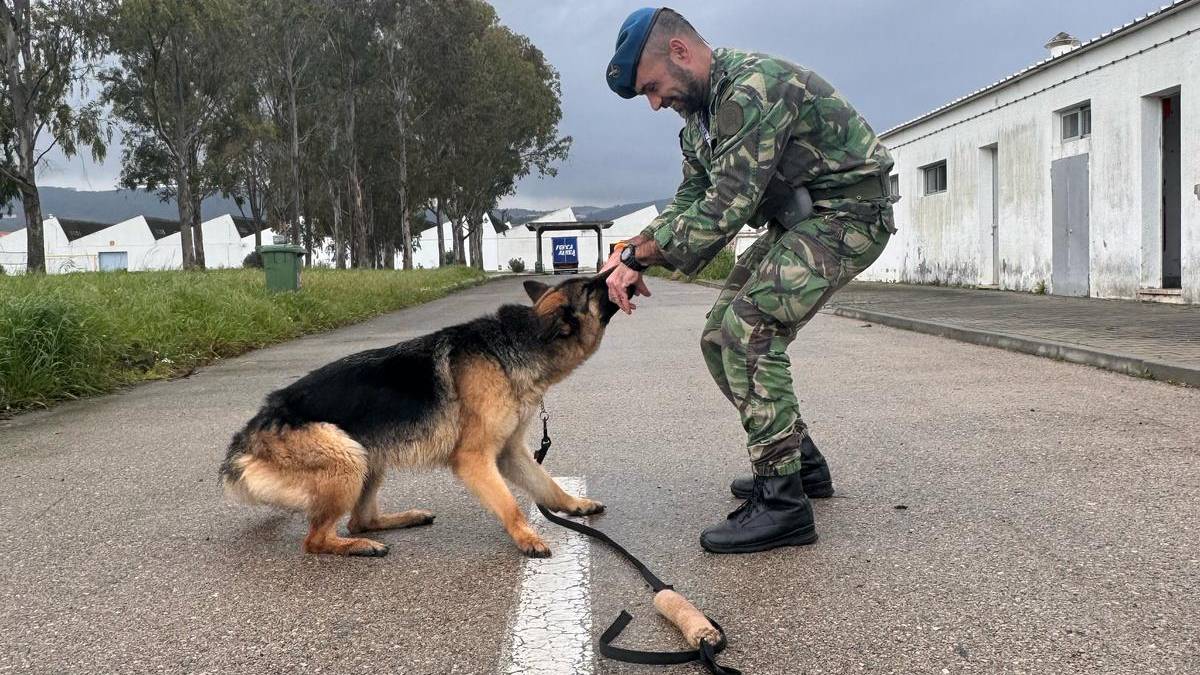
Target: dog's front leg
x=517 y=464
x=479 y=472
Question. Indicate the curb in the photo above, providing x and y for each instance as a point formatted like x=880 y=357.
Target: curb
x=1061 y=351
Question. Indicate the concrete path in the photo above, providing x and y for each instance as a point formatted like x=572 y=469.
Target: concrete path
x=996 y=513
x=1136 y=338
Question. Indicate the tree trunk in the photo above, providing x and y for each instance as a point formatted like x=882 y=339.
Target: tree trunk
x=198 y=230
x=406 y=234
x=252 y=196
x=358 y=226
x=309 y=243
x=437 y=216
x=183 y=199
x=339 y=240
x=24 y=123
x=294 y=158
x=475 y=238
x=456 y=243
x=402 y=170
x=35 y=257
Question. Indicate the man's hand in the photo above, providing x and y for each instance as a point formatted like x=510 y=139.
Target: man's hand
x=622 y=278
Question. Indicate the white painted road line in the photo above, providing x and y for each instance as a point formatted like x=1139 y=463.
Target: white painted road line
x=551 y=629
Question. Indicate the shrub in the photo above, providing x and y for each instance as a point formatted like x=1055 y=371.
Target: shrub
x=516 y=265
x=253 y=259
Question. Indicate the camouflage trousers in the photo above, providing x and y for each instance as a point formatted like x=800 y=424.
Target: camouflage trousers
x=776 y=286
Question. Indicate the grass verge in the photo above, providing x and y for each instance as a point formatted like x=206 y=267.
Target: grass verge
x=717 y=269
x=76 y=335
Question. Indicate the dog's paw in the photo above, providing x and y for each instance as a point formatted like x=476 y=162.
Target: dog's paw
x=534 y=547
x=585 y=507
x=369 y=549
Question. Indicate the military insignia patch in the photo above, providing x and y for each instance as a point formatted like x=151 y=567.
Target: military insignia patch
x=614 y=71
x=729 y=118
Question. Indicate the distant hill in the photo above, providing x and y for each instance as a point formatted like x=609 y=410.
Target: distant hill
x=522 y=216
x=614 y=212
x=109 y=206
x=114 y=206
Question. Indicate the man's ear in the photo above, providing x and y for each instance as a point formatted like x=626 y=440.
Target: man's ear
x=679 y=50
x=535 y=289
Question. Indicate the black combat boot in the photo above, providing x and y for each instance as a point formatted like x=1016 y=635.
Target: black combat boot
x=777 y=513
x=813 y=471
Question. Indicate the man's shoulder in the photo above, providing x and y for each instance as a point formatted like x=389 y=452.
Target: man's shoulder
x=756 y=77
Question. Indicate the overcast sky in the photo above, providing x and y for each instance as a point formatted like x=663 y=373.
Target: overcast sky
x=893 y=59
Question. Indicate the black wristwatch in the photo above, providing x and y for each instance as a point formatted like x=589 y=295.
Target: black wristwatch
x=629 y=258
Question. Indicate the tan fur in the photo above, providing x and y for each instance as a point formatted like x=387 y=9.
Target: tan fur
x=317 y=469
x=489 y=418
x=480 y=434
x=289 y=467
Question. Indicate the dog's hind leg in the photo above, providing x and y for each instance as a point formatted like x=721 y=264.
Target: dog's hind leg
x=517 y=464
x=316 y=468
x=366 y=515
x=323 y=537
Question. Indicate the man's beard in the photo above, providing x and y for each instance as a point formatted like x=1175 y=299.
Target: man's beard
x=691 y=99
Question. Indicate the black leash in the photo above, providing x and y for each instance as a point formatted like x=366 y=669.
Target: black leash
x=706 y=654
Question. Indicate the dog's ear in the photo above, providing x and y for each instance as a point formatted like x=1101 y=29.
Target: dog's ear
x=558 y=322
x=568 y=323
x=535 y=289
x=601 y=278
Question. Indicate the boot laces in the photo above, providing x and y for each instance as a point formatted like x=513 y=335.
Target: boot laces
x=750 y=506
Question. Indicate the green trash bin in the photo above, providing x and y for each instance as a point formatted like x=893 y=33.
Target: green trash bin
x=282 y=265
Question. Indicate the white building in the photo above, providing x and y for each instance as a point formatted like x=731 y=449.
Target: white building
x=1080 y=173
x=138 y=244
x=518 y=242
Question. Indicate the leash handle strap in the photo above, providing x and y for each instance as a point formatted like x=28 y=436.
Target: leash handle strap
x=706 y=654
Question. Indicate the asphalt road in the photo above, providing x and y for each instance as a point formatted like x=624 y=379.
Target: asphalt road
x=996 y=512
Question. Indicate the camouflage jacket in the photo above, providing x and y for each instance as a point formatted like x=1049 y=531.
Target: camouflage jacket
x=766 y=119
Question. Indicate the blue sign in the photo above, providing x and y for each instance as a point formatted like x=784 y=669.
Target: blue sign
x=565 y=250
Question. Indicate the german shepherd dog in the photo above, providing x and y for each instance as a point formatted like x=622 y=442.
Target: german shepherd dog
x=460 y=397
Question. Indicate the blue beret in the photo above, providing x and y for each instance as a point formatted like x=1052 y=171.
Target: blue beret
x=622 y=69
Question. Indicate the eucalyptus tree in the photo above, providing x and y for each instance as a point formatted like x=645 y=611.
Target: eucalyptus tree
x=48 y=51
x=180 y=63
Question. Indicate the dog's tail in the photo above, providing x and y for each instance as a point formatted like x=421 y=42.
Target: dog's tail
x=299 y=468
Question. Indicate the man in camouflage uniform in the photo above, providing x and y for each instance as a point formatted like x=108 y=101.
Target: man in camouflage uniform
x=771 y=145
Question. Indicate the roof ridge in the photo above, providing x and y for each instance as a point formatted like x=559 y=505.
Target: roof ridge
x=1177 y=4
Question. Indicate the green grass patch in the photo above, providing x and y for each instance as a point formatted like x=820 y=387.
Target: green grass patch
x=77 y=335
x=717 y=269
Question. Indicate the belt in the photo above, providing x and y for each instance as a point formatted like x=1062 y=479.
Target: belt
x=868 y=188
x=797 y=206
